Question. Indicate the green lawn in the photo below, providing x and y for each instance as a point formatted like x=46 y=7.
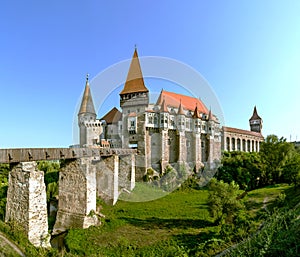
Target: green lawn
x=179 y=218
x=173 y=225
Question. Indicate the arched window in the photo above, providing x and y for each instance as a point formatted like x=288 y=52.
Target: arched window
x=233 y=144
x=238 y=144
x=228 y=144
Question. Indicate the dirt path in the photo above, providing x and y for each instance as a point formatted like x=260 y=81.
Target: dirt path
x=12 y=245
x=265 y=203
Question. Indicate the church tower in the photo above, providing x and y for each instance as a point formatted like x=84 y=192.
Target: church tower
x=255 y=122
x=86 y=115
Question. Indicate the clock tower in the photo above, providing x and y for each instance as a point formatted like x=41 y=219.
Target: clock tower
x=255 y=122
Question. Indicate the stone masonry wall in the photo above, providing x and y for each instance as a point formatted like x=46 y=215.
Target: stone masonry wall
x=27 y=204
x=107 y=170
x=77 y=196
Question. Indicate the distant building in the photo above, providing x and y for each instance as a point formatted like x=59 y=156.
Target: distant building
x=177 y=129
x=235 y=139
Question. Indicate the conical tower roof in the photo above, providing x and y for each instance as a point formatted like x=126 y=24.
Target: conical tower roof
x=196 y=114
x=180 y=109
x=163 y=107
x=255 y=116
x=134 y=82
x=210 y=116
x=87 y=104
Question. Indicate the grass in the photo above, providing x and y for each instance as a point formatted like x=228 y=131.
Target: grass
x=175 y=224
x=279 y=235
x=256 y=199
x=178 y=223
x=179 y=219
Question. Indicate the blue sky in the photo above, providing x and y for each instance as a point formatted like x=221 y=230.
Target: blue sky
x=248 y=51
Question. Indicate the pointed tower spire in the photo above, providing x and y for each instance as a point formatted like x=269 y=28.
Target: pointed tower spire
x=87 y=105
x=180 y=109
x=196 y=114
x=255 y=122
x=164 y=106
x=210 y=116
x=134 y=82
x=255 y=116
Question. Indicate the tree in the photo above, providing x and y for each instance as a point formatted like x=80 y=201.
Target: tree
x=291 y=170
x=275 y=154
x=223 y=201
x=242 y=167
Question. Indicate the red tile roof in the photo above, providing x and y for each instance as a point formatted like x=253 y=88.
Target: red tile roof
x=113 y=116
x=242 y=131
x=134 y=82
x=187 y=102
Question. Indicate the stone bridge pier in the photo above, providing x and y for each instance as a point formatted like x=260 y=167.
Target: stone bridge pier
x=81 y=180
x=77 y=195
x=27 y=202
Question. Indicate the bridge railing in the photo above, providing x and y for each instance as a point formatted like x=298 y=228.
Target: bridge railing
x=38 y=154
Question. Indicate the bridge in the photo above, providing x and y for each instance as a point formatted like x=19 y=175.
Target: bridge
x=87 y=173
x=38 y=154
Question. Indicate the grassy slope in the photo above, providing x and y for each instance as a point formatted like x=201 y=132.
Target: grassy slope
x=280 y=234
x=180 y=218
x=169 y=226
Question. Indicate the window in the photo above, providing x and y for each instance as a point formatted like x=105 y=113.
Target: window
x=150 y=119
x=132 y=123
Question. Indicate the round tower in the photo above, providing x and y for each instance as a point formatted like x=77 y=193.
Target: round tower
x=86 y=114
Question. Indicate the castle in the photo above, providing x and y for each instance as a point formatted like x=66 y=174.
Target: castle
x=177 y=129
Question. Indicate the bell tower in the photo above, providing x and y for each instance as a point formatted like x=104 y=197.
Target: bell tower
x=255 y=122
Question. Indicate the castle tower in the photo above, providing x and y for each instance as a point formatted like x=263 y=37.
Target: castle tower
x=134 y=96
x=86 y=114
x=255 y=122
x=134 y=99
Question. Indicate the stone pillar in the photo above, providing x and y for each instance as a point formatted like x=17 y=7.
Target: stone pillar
x=116 y=179
x=107 y=170
x=197 y=152
x=27 y=202
x=211 y=149
x=132 y=177
x=77 y=196
x=164 y=149
x=182 y=147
